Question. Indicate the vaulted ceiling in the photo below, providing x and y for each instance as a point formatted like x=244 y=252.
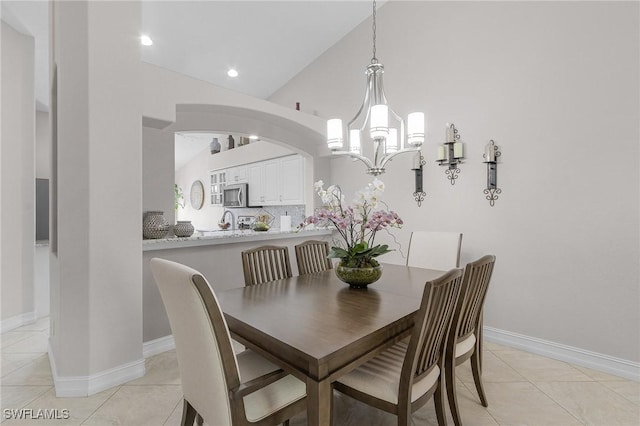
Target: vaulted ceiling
x=267 y=42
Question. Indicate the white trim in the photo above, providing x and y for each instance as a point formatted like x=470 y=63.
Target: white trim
x=17 y=321
x=596 y=361
x=157 y=346
x=79 y=386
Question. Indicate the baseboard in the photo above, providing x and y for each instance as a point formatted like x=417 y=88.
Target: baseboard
x=17 y=321
x=157 y=346
x=80 y=386
x=596 y=361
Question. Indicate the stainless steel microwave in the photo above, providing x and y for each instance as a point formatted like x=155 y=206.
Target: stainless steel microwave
x=236 y=195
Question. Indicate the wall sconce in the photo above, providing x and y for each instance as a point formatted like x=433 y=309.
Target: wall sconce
x=418 y=162
x=491 y=154
x=451 y=153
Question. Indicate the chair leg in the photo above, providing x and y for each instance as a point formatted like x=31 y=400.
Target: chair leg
x=450 y=375
x=188 y=414
x=479 y=341
x=438 y=400
x=476 y=369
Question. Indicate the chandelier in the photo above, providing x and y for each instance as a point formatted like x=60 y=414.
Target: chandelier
x=376 y=123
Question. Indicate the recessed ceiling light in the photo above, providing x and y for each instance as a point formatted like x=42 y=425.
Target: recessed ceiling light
x=146 y=40
x=253 y=137
x=232 y=73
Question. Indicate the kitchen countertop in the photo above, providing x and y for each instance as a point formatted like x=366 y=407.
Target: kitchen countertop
x=227 y=237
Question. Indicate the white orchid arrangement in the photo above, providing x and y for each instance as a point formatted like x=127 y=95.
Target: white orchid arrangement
x=357 y=224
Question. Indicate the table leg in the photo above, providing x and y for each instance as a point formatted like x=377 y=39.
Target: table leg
x=319 y=403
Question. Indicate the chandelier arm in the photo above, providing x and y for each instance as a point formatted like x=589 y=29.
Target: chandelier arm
x=389 y=156
x=364 y=159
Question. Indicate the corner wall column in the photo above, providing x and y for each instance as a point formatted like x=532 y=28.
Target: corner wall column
x=96 y=271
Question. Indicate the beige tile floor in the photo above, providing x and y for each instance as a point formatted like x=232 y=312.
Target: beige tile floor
x=523 y=389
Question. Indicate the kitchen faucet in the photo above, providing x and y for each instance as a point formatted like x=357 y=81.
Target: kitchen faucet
x=233 y=219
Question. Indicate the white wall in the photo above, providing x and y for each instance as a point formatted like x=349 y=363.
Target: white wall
x=556 y=86
x=17 y=183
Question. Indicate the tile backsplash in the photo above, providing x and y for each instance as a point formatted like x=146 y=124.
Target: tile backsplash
x=295 y=211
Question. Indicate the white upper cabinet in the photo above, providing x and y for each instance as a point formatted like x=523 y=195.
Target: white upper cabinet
x=255 y=174
x=237 y=175
x=276 y=182
x=292 y=178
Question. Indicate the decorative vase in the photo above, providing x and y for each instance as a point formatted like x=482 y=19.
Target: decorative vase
x=358 y=277
x=154 y=225
x=183 y=228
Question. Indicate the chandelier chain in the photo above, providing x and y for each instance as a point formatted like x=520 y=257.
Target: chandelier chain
x=374 y=60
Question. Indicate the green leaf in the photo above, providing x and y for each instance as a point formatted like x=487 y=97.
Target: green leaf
x=337 y=253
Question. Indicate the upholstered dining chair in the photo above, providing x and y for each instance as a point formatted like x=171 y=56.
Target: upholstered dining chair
x=434 y=250
x=465 y=336
x=404 y=377
x=311 y=256
x=266 y=263
x=220 y=387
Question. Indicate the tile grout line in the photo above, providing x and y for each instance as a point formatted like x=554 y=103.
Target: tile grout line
x=618 y=393
x=475 y=393
x=558 y=402
x=100 y=406
x=171 y=413
x=540 y=390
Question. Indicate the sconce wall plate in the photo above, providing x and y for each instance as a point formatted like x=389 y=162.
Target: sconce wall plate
x=418 y=163
x=451 y=153
x=491 y=154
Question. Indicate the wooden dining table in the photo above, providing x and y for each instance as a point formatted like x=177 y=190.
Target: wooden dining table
x=317 y=328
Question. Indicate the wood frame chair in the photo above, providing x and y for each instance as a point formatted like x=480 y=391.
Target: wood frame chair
x=404 y=377
x=265 y=263
x=465 y=336
x=311 y=257
x=434 y=250
x=209 y=370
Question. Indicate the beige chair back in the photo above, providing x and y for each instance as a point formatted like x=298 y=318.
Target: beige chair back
x=208 y=367
x=266 y=263
x=435 y=250
x=311 y=256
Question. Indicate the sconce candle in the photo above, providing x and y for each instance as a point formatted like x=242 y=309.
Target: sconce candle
x=457 y=150
x=489 y=153
x=451 y=153
x=449 y=133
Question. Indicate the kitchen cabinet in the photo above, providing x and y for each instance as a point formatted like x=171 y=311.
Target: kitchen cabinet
x=292 y=180
x=237 y=174
x=276 y=182
x=255 y=173
x=217 y=181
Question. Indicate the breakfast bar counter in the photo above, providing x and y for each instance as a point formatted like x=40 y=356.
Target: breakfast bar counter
x=208 y=238
x=217 y=255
